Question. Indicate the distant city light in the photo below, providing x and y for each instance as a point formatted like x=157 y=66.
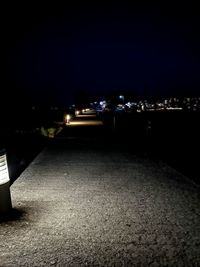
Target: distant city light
x=176 y=108
x=121 y=97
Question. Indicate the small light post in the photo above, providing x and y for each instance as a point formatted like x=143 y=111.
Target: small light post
x=5 y=198
x=68 y=117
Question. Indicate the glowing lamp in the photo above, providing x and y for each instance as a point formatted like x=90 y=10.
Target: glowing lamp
x=68 y=117
x=5 y=199
x=121 y=97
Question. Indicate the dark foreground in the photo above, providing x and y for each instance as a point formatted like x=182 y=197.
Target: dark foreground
x=87 y=201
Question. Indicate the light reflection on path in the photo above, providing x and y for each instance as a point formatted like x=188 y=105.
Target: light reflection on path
x=84 y=123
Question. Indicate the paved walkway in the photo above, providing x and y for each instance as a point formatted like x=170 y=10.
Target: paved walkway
x=81 y=203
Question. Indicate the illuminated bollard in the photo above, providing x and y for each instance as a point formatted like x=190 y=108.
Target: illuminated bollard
x=68 y=117
x=5 y=199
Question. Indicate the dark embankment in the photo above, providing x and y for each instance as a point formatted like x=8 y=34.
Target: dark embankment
x=172 y=136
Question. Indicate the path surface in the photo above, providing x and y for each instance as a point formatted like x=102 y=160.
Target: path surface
x=83 y=202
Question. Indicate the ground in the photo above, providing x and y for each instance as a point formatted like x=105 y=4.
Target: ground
x=85 y=202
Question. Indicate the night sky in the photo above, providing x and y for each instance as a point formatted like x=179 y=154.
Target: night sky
x=51 y=53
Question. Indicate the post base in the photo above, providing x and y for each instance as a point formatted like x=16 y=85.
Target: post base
x=5 y=198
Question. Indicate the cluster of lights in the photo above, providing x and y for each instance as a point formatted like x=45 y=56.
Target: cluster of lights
x=172 y=103
x=166 y=104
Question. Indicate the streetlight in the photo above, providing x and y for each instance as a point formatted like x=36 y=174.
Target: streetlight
x=121 y=97
x=5 y=198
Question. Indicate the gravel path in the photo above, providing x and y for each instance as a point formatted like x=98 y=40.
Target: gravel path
x=79 y=205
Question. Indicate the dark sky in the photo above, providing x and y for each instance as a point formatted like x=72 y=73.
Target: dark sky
x=53 y=52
